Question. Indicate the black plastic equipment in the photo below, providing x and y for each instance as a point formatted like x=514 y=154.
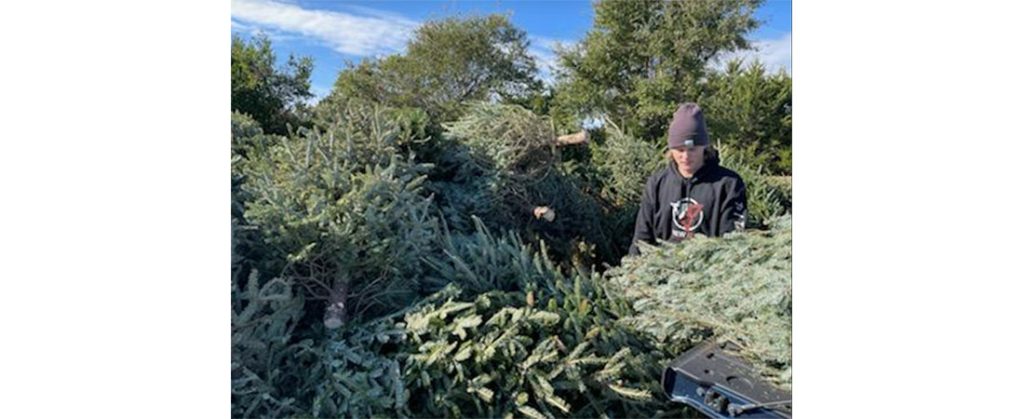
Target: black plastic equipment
x=721 y=385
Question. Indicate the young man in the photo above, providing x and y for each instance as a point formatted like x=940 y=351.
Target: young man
x=692 y=194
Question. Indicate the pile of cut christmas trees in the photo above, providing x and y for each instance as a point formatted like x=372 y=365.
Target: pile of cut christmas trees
x=382 y=267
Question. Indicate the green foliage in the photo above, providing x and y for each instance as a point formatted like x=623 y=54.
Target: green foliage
x=361 y=380
x=247 y=137
x=767 y=196
x=751 y=110
x=480 y=262
x=376 y=131
x=576 y=235
x=498 y=355
x=531 y=341
x=507 y=137
x=517 y=339
x=621 y=165
x=625 y=162
x=243 y=130
x=508 y=166
x=642 y=58
x=247 y=251
x=494 y=156
x=448 y=62
x=268 y=94
x=343 y=211
x=268 y=369
x=736 y=288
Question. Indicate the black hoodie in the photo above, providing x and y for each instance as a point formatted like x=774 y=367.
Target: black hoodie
x=713 y=202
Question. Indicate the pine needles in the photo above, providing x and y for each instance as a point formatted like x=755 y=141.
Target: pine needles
x=459 y=300
x=735 y=288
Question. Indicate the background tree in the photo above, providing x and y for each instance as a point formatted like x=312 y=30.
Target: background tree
x=642 y=58
x=272 y=96
x=448 y=62
x=752 y=114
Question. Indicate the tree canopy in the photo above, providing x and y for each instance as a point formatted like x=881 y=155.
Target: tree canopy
x=267 y=93
x=448 y=62
x=751 y=112
x=642 y=58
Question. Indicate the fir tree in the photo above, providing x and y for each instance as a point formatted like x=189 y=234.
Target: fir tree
x=737 y=288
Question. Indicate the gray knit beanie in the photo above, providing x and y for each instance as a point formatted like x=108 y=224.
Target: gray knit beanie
x=687 y=127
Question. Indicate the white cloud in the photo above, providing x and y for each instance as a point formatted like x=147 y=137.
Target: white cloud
x=239 y=26
x=319 y=93
x=367 y=33
x=543 y=51
x=775 y=54
x=275 y=36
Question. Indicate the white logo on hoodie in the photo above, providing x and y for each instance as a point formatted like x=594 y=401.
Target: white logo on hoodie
x=687 y=215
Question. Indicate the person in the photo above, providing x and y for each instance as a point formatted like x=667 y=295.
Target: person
x=692 y=194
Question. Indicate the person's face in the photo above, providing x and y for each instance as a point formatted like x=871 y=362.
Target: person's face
x=688 y=159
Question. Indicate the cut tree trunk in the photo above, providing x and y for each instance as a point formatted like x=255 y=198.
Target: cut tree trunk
x=546 y=213
x=335 y=315
x=569 y=139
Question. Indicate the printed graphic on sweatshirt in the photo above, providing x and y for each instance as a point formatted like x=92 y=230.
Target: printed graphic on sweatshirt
x=687 y=215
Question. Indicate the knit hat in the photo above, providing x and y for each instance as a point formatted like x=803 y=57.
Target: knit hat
x=687 y=128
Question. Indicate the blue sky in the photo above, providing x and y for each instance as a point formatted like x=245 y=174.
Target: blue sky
x=333 y=31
